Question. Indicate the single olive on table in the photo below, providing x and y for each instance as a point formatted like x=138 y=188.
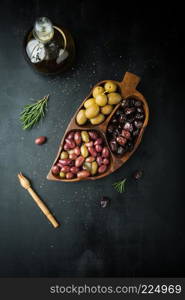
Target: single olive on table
x=84 y=154
x=125 y=125
x=100 y=104
x=40 y=140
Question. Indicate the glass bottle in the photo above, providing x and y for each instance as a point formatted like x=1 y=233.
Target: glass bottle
x=49 y=49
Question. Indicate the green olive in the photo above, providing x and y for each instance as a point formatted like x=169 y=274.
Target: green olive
x=87 y=166
x=110 y=86
x=94 y=168
x=114 y=98
x=101 y=99
x=97 y=120
x=84 y=151
x=89 y=102
x=85 y=136
x=81 y=118
x=62 y=174
x=98 y=90
x=64 y=155
x=107 y=109
x=92 y=111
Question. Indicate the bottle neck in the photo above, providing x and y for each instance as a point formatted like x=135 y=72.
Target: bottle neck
x=43 y=30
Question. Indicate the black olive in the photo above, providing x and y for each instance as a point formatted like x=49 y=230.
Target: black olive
x=140 y=110
x=118 y=112
x=129 y=110
x=124 y=103
x=132 y=102
x=114 y=120
x=130 y=146
x=128 y=126
x=130 y=118
x=121 y=150
x=138 y=124
x=139 y=116
x=138 y=103
x=113 y=145
x=122 y=118
x=136 y=132
x=105 y=201
x=110 y=129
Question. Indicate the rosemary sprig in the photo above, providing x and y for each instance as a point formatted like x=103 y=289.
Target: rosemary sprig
x=32 y=113
x=120 y=186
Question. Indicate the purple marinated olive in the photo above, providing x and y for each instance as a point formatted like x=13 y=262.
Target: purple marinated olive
x=93 y=135
x=55 y=170
x=99 y=160
x=102 y=169
x=92 y=151
x=77 y=138
x=105 y=152
x=77 y=151
x=98 y=148
x=79 y=161
x=106 y=161
x=83 y=174
x=69 y=175
x=65 y=162
x=90 y=159
x=70 y=136
x=59 y=165
x=99 y=141
x=40 y=140
x=65 y=169
x=66 y=147
x=125 y=134
x=89 y=144
x=74 y=170
x=70 y=143
x=73 y=156
x=121 y=140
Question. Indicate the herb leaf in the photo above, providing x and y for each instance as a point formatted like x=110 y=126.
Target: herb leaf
x=32 y=113
x=120 y=186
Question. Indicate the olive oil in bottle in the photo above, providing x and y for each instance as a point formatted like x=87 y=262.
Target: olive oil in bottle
x=49 y=49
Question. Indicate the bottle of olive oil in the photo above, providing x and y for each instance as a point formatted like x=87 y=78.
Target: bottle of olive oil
x=49 y=49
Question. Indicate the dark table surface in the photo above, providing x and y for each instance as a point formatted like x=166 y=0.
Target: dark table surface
x=142 y=232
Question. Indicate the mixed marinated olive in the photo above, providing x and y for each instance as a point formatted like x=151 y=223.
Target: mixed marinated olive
x=125 y=125
x=100 y=105
x=84 y=154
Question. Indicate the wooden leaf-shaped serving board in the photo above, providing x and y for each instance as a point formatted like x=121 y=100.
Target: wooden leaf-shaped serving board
x=127 y=89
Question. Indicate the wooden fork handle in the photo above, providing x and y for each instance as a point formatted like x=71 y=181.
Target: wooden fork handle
x=43 y=207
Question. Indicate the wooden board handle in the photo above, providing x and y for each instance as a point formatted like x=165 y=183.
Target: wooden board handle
x=43 y=207
x=130 y=80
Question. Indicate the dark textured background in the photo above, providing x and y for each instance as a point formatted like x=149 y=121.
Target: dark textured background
x=142 y=233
